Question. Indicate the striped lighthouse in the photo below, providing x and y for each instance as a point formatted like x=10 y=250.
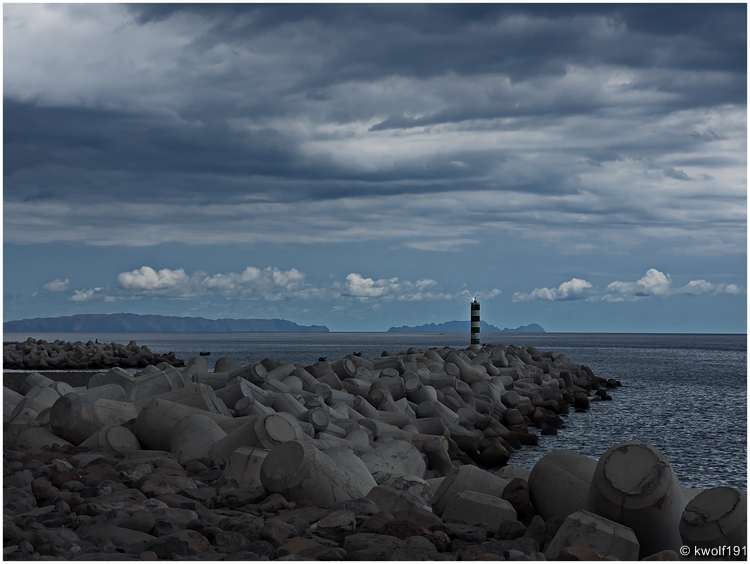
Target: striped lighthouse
x=475 y=322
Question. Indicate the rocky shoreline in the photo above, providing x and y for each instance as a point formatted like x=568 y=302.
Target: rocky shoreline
x=357 y=459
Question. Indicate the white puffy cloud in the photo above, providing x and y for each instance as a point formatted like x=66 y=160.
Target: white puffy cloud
x=57 y=285
x=653 y=283
x=657 y=283
x=148 y=281
x=270 y=283
x=733 y=289
x=392 y=288
x=573 y=289
x=85 y=295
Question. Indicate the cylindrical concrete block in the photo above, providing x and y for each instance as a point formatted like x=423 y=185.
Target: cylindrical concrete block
x=34 y=379
x=308 y=380
x=382 y=429
x=465 y=478
x=75 y=418
x=224 y=364
x=437 y=455
x=195 y=365
x=11 y=399
x=154 y=424
x=105 y=391
x=248 y=406
x=559 y=483
x=114 y=439
x=115 y=375
x=349 y=462
x=236 y=389
x=432 y=426
x=39 y=437
x=287 y=403
x=357 y=386
x=153 y=384
x=318 y=418
x=396 y=418
x=264 y=431
x=281 y=372
x=298 y=471
x=634 y=485
x=361 y=405
x=255 y=373
x=193 y=437
x=344 y=368
x=418 y=392
x=437 y=409
x=396 y=457
x=217 y=380
x=360 y=440
x=716 y=518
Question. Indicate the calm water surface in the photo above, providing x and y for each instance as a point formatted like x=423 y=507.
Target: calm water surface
x=685 y=394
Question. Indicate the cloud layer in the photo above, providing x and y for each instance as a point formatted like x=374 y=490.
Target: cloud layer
x=653 y=284
x=471 y=121
x=268 y=284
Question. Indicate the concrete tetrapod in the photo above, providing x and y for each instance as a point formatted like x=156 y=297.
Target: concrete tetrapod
x=716 y=518
x=263 y=431
x=467 y=478
x=154 y=424
x=298 y=470
x=193 y=437
x=115 y=439
x=634 y=485
x=75 y=418
x=474 y=508
x=559 y=483
x=594 y=532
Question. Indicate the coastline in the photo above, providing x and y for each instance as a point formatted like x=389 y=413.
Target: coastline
x=359 y=450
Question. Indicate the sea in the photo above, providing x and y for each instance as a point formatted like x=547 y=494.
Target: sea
x=686 y=394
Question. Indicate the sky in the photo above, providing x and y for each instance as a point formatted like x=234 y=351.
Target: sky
x=362 y=166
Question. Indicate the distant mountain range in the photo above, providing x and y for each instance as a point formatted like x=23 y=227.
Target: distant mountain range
x=133 y=323
x=464 y=327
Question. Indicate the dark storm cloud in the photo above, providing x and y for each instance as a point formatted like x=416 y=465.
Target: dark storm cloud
x=302 y=104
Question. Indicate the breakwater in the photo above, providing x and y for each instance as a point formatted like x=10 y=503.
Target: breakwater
x=352 y=459
x=38 y=354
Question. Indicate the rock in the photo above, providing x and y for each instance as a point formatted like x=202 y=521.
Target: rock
x=517 y=492
x=465 y=533
x=228 y=542
x=510 y=530
x=359 y=542
x=583 y=554
x=154 y=485
x=118 y=537
x=277 y=532
x=335 y=526
x=17 y=501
